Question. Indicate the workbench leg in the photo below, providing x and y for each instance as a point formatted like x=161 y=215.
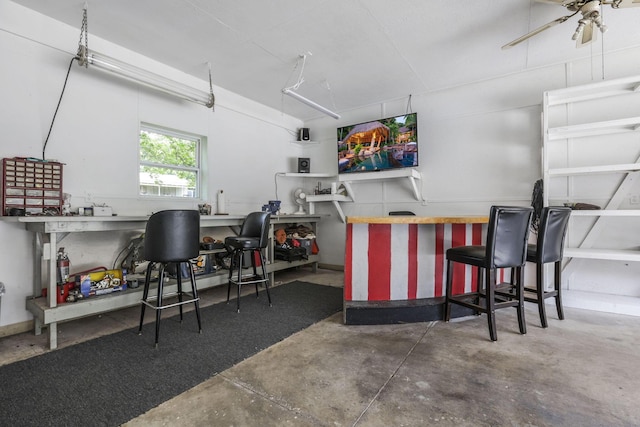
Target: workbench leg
x=53 y=335
x=37 y=326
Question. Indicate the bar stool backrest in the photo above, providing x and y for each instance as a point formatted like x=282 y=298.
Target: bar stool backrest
x=507 y=235
x=172 y=236
x=256 y=225
x=553 y=228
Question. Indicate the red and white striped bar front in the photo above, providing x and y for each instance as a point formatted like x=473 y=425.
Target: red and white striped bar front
x=395 y=266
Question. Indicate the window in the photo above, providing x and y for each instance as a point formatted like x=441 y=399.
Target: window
x=169 y=163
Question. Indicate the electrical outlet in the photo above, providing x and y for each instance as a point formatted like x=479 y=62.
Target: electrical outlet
x=634 y=200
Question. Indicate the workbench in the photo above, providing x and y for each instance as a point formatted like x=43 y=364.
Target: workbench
x=49 y=231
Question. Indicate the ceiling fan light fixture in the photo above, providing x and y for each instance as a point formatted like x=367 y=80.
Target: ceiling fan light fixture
x=591 y=15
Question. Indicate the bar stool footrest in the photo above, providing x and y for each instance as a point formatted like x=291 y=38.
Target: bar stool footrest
x=175 y=304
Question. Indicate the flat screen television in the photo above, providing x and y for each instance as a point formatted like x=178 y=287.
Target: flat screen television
x=379 y=145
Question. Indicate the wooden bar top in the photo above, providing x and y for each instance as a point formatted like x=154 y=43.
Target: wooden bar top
x=397 y=219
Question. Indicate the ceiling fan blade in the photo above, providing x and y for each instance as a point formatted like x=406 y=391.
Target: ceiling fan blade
x=558 y=2
x=537 y=31
x=625 y=3
x=587 y=35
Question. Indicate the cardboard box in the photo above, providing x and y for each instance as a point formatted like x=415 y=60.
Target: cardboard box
x=307 y=244
x=102 y=211
x=89 y=284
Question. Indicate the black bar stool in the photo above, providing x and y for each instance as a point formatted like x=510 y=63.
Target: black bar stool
x=549 y=248
x=253 y=238
x=171 y=236
x=505 y=247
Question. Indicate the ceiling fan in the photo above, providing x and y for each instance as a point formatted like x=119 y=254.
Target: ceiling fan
x=591 y=17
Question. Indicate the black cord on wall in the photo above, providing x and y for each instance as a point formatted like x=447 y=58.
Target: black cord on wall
x=46 y=141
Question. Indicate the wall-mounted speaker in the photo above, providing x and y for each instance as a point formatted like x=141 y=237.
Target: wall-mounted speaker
x=304 y=165
x=303 y=134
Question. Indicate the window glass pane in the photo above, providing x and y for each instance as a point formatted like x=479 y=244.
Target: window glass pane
x=156 y=181
x=169 y=163
x=167 y=150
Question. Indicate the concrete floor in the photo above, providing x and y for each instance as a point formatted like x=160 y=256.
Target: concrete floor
x=582 y=371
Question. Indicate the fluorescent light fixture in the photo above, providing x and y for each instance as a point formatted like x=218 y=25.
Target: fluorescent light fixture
x=310 y=103
x=146 y=78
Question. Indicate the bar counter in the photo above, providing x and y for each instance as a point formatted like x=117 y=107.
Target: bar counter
x=395 y=266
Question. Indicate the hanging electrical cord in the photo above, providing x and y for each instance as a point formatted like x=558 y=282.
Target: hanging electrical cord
x=46 y=141
x=213 y=97
x=84 y=32
x=409 y=109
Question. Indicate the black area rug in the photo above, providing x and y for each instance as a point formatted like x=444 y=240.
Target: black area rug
x=110 y=380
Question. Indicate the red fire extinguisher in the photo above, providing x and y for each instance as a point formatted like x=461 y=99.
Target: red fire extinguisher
x=62 y=270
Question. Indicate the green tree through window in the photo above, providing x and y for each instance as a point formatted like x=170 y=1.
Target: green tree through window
x=169 y=163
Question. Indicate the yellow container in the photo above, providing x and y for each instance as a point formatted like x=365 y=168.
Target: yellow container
x=99 y=275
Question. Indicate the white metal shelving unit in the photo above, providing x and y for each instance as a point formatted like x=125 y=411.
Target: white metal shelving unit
x=593 y=131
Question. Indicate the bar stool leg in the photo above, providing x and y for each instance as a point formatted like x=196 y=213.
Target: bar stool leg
x=194 y=291
x=252 y=254
x=230 y=277
x=145 y=295
x=520 y=295
x=490 y=301
x=179 y=282
x=159 y=301
x=240 y=263
x=540 y=294
x=447 y=302
x=557 y=286
x=481 y=286
x=265 y=277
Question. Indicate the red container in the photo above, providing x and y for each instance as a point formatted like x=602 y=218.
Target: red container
x=63 y=291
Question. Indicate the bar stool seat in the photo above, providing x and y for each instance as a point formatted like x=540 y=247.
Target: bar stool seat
x=253 y=238
x=171 y=238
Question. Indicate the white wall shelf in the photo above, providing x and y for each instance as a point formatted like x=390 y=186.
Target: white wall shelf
x=614 y=88
x=303 y=143
x=594 y=129
x=409 y=173
x=333 y=198
x=305 y=175
x=346 y=180
x=603 y=212
x=590 y=170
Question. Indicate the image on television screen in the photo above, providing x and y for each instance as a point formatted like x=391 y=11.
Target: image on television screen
x=390 y=143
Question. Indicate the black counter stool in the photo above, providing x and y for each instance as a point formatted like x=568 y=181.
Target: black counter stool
x=505 y=247
x=549 y=248
x=171 y=236
x=253 y=238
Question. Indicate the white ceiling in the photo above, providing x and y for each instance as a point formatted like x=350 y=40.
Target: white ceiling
x=363 y=51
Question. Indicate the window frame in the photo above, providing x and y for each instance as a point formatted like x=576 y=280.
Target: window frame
x=199 y=169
